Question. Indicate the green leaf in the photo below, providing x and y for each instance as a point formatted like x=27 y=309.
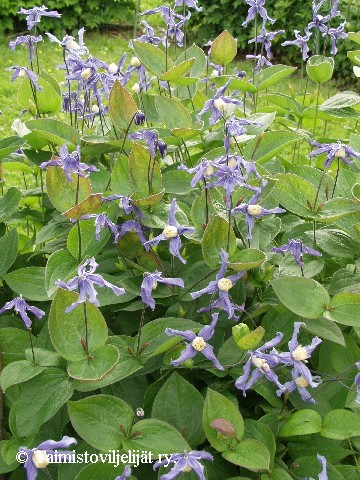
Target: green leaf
x=126 y=366
x=345 y=280
x=54 y=131
x=340 y=100
x=217 y=406
x=60 y=266
x=152 y=57
x=283 y=101
x=237 y=83
x=177 y=181
x=100 y=470
x=156 y=436
x=18 y=372
x=252 y=339
x=261 y=432
x=139 y=161
x=122 y=107
x=9 y=203
x=44 y=358
x=294 y=193
x=154 y=334
x=320 y=68
x=9 y=145
x=354 y=36
x=246 y=259
x=62 y=193
x=13 y=343
x=272 y=75
x=327 y=329
x=199 y=64
x=345 y=309
x=303 y=422
x=303 y=296
x=176 y=72
x=48 y=99
x=101 y=362
x=97 y=418
x=47 y=393
x=341 y=425
x=90 y=205
x=9 y=251
x=224 y=48
x=271 y=143
x=335 y=209
x=172 y=113
x=250 y=454
x=120 y=177
x=215 y=239
x=311 y=266
x=337 y=243
x=90 y=246
x=70 y=346
x=29 y=282
x=180 y=404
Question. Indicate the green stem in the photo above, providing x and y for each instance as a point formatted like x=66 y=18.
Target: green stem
x=336 y=178
x=140 y=328
x=86 y=330
x=32 y=347
x=317 y=107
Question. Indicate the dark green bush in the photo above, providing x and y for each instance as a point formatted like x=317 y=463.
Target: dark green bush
x=290 y=15
x=92 y=13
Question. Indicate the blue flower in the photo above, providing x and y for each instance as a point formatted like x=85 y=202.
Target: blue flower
x=198 y=343
x=357 y=383
x=151 y=137
x=84 y=282
x=151 y=281
x=257 y=8
x=26 y=39
x=172 y=232
x=335 y=34
x=301 y=42
x=184 y=462
x=262 y=61
x=23 y=72
x=235 y=127
x=263 y=363
x=300 y=383
x=297 y=248
x=203 y=171
x=130 y=226
x=333 y=151
x=38 y=456
x=318 y=21
x=222 y=285
x=230 y=175
x=125 y=203
x=217 y=104
x=149 y=36
x=189 y=4
x=101 y=221
x=70 y=163
x=21 y=307
x=253 y=210
x=266 y=38
x=297 y=356
x=323 y=474
x=69 y=43
x=126 y=473
x=33 y=15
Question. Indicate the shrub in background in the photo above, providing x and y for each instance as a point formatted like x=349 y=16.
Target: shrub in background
x=290 y=16
x=92 y=13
